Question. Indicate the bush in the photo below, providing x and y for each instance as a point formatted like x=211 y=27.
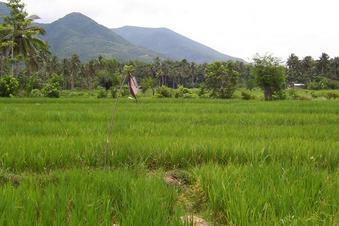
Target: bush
x=164 y=92
x=114 y=92
x=333 y=84
x=102 y=93
x=51 y=90
x=57 y=80
x=293 y=94
x=36 y=93
x=279 y=95
x=332 y=95
x=318 y=83
x=183 y=92
x=202 y=91
x=305 y=97
x=246 y=95
x=125 y=91
x=33 y=82
x=8 y=86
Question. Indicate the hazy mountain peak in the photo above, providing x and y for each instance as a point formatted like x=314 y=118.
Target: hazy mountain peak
x=78 y=34
x=171 y=44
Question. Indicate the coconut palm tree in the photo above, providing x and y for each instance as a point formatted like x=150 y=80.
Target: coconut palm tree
x=22 y=38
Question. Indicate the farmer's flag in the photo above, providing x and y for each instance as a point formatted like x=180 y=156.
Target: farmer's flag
x=133 y=86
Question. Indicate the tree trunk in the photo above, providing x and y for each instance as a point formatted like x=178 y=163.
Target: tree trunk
x=268 y=93
x=72 y=81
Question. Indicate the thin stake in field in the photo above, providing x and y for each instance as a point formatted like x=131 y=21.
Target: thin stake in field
x=134 y=89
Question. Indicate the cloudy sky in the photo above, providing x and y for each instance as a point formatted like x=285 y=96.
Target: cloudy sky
x=240 y=28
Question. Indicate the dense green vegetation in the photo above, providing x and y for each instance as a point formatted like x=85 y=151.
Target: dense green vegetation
x=252 y=163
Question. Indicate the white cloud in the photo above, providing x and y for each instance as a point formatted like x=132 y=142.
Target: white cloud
x=236 y=27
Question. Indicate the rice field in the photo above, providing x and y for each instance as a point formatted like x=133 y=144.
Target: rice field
x=239 y=162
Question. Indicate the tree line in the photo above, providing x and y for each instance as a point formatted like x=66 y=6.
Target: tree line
x=27 y=64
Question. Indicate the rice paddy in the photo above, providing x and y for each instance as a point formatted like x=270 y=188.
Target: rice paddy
x=249 y=162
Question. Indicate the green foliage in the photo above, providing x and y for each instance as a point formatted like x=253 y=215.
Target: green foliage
x=51 y=90
x=102 y=92
x=34 y=82
x=36 y=93
x=333 y=84
x=320 y=82
x=21 y=37
x=53 y=87
x=164 y=92
x=332 y=95
x=148 y=83
x=108 y=80
x=279 y=95
x=270 y=75
x=114 y=92
x=292 y=93
x=8 y=86
x=246 y=95
x=221 y=79
x=124 y=91
x=183 y=92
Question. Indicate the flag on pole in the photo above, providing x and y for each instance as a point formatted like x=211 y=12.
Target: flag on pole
x=133 y=86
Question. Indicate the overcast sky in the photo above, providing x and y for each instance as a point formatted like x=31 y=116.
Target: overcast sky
x=240 y=28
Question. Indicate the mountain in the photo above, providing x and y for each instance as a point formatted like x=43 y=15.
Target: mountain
x=171 y=44
x=77 y=33
x=3 y=10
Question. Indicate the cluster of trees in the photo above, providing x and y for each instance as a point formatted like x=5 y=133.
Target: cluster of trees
x=27 y=64
x=321 y=72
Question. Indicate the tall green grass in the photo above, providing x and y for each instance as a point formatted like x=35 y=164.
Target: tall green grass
x=258 y=163
x=87 y=197
x=271 y=194
x=50 y=134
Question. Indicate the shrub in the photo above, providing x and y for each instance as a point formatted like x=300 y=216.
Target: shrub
x=164 y=92
x=102 y=93
x=246 y=95
x=36 y=93
x=333 y=84
x=8 y=86
x=279 y=95
x=51 y=90
x=292 y=93
x=319 y=83
x=202 y=91
x=183 y=92
x=125 y=91
x=332 y=95
x=305 y=97
x=33 y=82
x=114 y=92
x=57 y=80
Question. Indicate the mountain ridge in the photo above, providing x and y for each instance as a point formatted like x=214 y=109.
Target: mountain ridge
x=172 y=44
x=76 y=33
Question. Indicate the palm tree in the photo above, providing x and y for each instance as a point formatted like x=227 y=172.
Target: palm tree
x=75 y=66
x=21 y=36
x=323 y=64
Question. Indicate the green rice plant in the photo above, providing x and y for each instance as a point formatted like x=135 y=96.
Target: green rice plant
x=271 y=194
x=258 y=163
x=87 y=197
